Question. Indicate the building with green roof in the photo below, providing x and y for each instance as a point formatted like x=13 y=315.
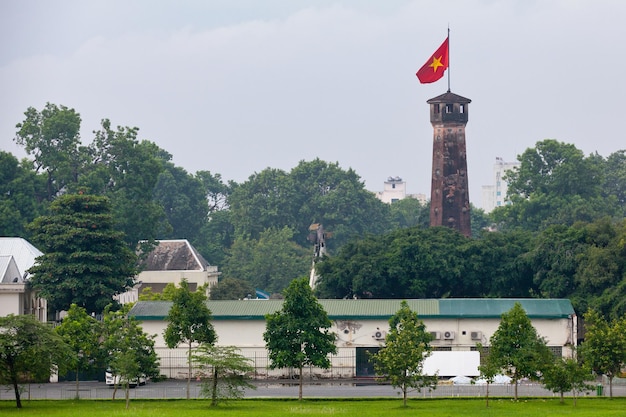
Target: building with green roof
x=457 y=325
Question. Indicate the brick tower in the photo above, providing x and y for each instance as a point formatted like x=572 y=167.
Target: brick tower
x=449 y=195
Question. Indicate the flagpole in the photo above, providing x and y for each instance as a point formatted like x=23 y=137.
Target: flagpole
x=448 y=58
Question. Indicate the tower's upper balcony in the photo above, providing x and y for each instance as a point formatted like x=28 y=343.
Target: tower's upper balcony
x=449 y=107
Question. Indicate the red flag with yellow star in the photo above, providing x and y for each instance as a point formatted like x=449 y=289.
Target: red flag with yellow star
x=436 y=65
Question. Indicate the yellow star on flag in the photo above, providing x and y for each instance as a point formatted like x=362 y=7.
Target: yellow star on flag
x=436 y=63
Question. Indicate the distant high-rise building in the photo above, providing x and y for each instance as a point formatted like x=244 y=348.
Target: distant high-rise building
x=495 y=195
x=449 y=196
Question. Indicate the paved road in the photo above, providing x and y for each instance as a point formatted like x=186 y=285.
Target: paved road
x=280 y=389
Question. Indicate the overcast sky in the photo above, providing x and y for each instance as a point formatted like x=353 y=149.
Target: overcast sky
x=234 y=87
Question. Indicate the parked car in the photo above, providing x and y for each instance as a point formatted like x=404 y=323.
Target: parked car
x=112 y=380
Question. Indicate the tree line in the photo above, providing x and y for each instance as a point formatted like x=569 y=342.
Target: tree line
x=559 y=237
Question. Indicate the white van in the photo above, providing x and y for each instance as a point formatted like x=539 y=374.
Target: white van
x=111 y=380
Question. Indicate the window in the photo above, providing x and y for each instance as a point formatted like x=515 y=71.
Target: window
x=449 y=108
x=436 y=108
x=462 y=108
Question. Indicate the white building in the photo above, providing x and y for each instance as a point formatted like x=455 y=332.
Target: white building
x=170 y=262
x=17 y=255
x=457 y=325
x=495 y=195
x=395 y=190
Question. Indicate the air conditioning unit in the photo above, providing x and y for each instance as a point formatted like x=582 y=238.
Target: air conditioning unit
x=436 y=335
x=379 y=335
x=448 y=335
x=476 y=335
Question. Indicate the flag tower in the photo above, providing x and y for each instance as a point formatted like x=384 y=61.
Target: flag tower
x=449 y=194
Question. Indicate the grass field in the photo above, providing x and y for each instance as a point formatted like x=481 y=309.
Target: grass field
x=356 y=408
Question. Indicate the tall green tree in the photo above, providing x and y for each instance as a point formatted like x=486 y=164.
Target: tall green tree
x=29 y=351
x=23 y=195
x=52 y=137
x=516 y=348
x=299 y=334
x=189 y=322
x=130 y=351
x=227 y=372
x=555 y=184
x=270 y=262
x=85 y=261
x=126 y=170
x=604 y=347
x=401 y=360
x=184 y=201
x=82 y=333
x=312 y=192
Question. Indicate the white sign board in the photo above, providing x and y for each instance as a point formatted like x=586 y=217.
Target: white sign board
x=452 y=363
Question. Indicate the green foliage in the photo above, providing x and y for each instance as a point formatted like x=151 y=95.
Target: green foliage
x=130 y=351
x=82 y=334
x=516 y=349
x=22 y=195
x=567 y=374
x=604 y=347
x=409 y=212
x=189 y=322
x=232 y=289
x=406 y=263
x=298 y=335
x=313 y=192
x=52 y=137
x=126 y=170
x=401 y=360
x=225 y=372
x=166 y=295
x=557 y=184
x=29 y=351
x=270 y=262
x=85 y=260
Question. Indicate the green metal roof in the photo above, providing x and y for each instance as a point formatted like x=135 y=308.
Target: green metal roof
x=371 y=309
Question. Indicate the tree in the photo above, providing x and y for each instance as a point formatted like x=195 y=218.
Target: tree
x=184 y=201
x=126 y=170
x=189 y=322
x=409 y=212
x=130 y=350
x=604 y=347
x=226 y=372
x=312 y=192
x=488 y=370
x=29 y=351
x=232 y=289
x=401 y=360
x=566 y=374
x=405 y=263
x=22 y=195
x=516 y=348
x=556 y=184
x=52 y=137
x=298 y=335
x=82 y=334
x=269 y=262
x=85 y=261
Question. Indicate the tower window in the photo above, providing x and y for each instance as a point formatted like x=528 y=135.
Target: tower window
x=449 y=108
x=462 y=108
x=436 y=108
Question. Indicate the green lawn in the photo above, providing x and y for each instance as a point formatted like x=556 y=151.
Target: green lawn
x=357 y=408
